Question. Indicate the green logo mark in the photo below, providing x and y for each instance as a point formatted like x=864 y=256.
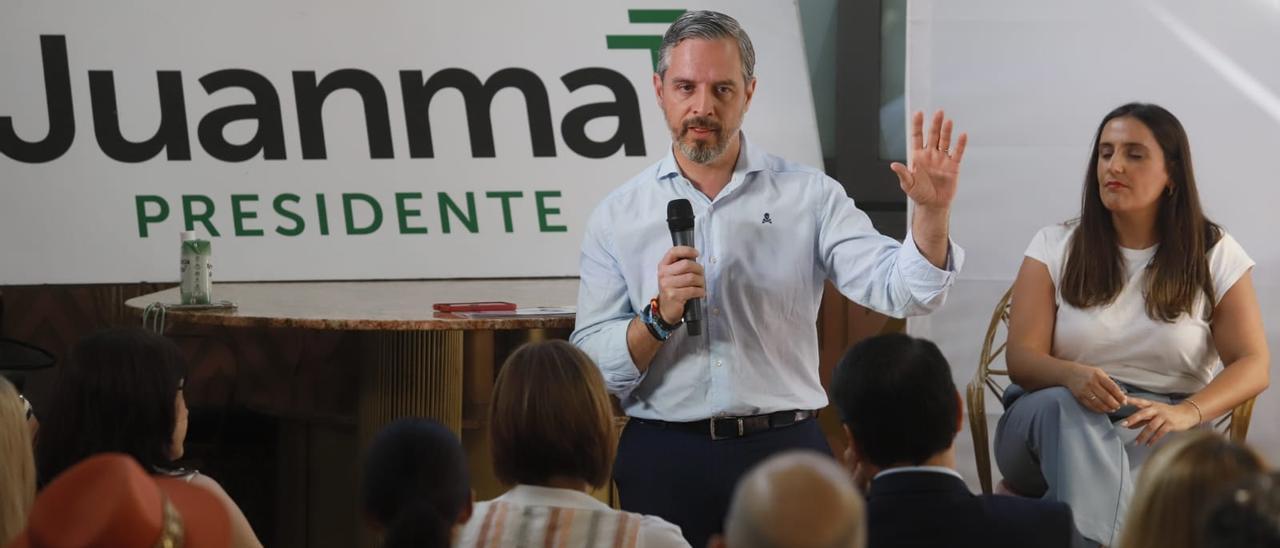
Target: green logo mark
x=651 y=42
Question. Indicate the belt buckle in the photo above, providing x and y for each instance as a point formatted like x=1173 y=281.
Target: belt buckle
x=715 y=436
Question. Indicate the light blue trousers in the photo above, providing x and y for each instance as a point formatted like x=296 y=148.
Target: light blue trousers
x=1049 y=445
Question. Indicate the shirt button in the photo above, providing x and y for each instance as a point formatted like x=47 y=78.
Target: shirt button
x=713 y=260
x=715 y=311
x=717 y=363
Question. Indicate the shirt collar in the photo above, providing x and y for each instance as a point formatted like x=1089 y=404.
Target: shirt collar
x=933 y=469
x=534 y=495
x=750 y=160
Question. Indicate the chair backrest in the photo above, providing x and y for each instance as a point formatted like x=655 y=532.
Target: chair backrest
x=1234 y=424
x=984 y=379
x=997 y=332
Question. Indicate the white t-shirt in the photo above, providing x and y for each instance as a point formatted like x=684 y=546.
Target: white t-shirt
x=530 y=515
x=1164 y=358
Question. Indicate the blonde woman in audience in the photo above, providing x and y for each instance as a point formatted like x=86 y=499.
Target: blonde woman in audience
x=1178 y=482
x=553 y=440
x=1118 y=323
x=17 y=469
x=121 y=392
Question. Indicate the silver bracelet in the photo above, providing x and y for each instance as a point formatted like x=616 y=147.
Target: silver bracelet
x=1199 y=412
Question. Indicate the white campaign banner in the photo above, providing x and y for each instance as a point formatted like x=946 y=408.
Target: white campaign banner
x=1030 y=81
x=342 y=140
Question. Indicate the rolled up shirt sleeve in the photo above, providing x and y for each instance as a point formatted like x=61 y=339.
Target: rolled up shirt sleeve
x=874 y=270
x=605 y=311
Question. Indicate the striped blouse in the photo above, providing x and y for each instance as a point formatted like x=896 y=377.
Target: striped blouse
x=529 y=516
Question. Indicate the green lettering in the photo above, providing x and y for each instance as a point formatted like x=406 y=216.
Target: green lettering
x=505 y=196
x=298 y=224
x=322 y=211
x=191 y=217
x=469 y=220
x=544 y=211
x=404 y=213
x=347 y=202
x=238 y=214
x=140 y=202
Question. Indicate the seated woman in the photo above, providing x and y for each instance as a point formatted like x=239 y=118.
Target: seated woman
x=416 y=487
x=17 y=470
x=121 y=392
x=1175 y=485
x=1247 y=516
x=552 y=437
x=1118 y=322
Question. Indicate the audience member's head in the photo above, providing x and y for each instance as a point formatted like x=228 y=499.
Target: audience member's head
x=550 y=420
x=17 y=470
x=1178 y=479
x=121 y=392
x=108 y=500
x=898 y=402
x=416 y=486
x=1247 y=516
x=795 y=499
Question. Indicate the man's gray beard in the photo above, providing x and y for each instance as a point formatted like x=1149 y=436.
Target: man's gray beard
x=703 y=154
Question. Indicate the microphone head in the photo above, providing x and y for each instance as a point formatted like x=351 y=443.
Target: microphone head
x=679 y=215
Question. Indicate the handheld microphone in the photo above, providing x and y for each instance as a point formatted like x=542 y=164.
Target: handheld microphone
x=680 y=222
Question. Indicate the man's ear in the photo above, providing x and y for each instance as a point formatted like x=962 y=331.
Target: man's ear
x=657 y=88
x=716 y=541
x=848 y=439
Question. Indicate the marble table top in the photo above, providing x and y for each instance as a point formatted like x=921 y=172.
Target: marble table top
x=377 y=305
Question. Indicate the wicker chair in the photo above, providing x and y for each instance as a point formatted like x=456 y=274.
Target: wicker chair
x=1234 y=424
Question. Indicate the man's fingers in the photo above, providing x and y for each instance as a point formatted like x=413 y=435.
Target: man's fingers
x=903 y=173
x=917 y=130
x=688 y=279
x=958 y=153
x=935 y=127
x=944 y=142
x=686 y=294
x=678 y=253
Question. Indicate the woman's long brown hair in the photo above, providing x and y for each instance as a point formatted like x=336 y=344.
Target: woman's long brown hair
x=1094 y=273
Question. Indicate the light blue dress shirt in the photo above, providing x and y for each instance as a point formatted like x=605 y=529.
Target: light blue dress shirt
x=767 y=242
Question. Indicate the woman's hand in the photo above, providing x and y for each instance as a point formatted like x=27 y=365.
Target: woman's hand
x=1095 y=390
x=1157 y=419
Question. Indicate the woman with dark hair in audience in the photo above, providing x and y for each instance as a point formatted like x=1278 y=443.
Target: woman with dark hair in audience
x=17 y=470
x=1179 y=479
x=416 y=487
x=1245 y=517
x=121 y=392
x=1118 y=322
x=552 y=435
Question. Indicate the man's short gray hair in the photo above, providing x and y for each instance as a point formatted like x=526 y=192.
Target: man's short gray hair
x=707 y=25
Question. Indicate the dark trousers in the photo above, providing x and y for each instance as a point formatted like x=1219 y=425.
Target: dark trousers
x=688 y=479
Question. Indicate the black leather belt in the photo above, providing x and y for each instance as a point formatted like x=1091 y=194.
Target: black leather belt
x=722 y=428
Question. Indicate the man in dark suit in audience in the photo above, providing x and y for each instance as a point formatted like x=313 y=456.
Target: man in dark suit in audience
x=901 y=413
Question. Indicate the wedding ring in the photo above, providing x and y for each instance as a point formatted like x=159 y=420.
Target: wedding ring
x=1093 y=397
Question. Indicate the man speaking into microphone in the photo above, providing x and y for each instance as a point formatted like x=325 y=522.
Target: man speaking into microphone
x=766 y=234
